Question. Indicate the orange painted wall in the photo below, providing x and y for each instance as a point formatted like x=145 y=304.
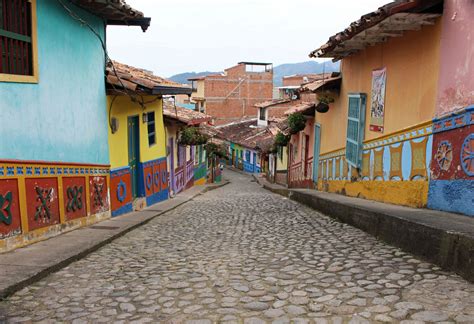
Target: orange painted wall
x=412 y=63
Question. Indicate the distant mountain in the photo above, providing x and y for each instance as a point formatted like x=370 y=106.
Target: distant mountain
x=183 y=77
x=278 y=71
x=302 y=68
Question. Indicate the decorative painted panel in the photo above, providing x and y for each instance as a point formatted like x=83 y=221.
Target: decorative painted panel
x=74 y=192
x=10 y=218
x=121 y=191
x=452 y=171
x=42 y=202
x=404 y=155
x=99 y=198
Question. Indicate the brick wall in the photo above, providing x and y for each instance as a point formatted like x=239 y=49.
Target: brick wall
x=233 y=95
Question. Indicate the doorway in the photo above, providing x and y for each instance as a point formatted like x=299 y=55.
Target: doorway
x=134 y=152
x=317 y=149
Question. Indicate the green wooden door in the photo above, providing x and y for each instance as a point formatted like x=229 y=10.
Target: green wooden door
x=133 y=152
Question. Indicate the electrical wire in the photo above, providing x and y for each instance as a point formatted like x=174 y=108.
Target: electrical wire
x=108 y=61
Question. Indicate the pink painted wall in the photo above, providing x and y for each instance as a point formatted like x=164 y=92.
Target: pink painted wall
x=297 y=140
x=456 y=79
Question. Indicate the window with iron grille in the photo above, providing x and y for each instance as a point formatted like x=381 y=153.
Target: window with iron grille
x=151 y=129
x=355 y=129
x=16 y=41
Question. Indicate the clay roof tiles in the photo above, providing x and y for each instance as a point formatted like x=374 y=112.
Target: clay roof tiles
x=139 y=80
x=115 y=12
x=185 y=116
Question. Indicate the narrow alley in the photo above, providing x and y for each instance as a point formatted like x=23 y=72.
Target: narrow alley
x=244 y=255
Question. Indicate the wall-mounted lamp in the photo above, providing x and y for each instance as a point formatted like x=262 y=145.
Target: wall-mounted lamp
x=145 y=117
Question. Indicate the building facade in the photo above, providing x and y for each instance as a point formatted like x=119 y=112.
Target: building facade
x=452 y=169
x=404 y=108
x=232 y=95
x=54 y=170
x=137 y=139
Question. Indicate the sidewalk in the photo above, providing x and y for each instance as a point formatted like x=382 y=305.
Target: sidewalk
x=24 y=266
x=443 y=238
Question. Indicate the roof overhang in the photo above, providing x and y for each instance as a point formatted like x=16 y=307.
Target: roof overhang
x=166 y=90
x=306 y=108
x=389 y=21
x=330 y=84
x=115 y=12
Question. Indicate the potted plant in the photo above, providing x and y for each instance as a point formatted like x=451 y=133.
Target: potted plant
x=296 y=123
x=323 y=104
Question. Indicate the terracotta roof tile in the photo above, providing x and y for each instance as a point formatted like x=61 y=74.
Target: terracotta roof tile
x=183 y=115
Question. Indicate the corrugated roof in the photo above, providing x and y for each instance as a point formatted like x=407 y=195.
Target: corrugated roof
x=390 y=20
x=115 y=12
x=183 y=115
x=133 y=79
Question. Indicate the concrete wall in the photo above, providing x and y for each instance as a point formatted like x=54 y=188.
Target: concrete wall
x=61 y=118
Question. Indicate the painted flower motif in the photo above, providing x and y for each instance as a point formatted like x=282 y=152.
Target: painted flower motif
x=444 y=155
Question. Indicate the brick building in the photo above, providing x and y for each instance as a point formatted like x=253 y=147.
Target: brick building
x=232 y=95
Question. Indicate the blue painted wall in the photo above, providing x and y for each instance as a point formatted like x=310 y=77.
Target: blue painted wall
x=63 y=117
x=452 y=195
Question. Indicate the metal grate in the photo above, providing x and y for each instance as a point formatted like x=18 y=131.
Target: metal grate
x=15 y=37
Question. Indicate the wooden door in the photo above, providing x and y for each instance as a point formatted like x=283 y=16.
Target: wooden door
x=134 y=152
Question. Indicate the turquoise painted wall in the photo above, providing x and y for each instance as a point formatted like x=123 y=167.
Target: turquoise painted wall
x=63 y=117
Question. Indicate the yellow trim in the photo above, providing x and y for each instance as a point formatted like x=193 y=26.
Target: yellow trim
x=23 y=205
x=399 y=132
x=62 y=212
x=34 y=52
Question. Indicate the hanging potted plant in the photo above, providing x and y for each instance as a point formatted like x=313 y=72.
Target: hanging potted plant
x=281 y=139
x=323 y=104
x=296 y=123
x=190 y=136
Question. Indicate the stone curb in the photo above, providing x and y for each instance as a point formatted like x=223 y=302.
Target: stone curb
x=453 y=250
x=79 y=254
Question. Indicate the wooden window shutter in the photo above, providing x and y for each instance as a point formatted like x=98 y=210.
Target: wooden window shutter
x=355 y=129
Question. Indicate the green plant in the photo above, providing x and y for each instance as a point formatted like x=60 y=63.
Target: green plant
x=281 y=139
x=214 y=150
x=296 y=123
x=325 y=99
x=192 y=136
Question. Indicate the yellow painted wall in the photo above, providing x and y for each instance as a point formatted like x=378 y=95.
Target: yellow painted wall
x=123 y=108
x=282 y=164
x=412 y=63
x=406 y=193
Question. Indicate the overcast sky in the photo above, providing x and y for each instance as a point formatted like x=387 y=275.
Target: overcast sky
x=210 y=35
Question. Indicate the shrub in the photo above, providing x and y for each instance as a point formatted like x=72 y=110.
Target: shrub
x=296 y=123
x=192 y=136
x=281 y=139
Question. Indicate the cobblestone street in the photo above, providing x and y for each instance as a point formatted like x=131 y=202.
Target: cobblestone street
x=240 y=254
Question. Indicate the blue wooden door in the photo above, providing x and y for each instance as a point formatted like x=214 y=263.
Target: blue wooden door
x=133 y=152
x=317 y=147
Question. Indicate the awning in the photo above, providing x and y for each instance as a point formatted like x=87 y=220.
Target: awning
x=331 y=83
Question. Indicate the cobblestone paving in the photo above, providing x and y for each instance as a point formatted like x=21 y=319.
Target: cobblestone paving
x=240 y=254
